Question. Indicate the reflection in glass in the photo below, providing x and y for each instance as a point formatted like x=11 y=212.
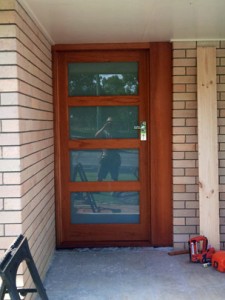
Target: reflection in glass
x=85 y=122
x=107 y=165
x=102 y=79
x=105 y=208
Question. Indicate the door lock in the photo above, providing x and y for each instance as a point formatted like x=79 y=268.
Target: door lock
x=143 y=130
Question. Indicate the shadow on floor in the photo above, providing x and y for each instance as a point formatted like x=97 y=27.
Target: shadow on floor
x=130 y=274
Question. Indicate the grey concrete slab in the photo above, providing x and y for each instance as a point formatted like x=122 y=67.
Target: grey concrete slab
x=130 y=274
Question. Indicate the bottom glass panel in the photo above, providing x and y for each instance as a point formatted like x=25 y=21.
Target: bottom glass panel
x=105 y=208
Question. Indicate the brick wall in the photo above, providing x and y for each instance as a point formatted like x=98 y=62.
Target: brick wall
x=185 y=145
x=26 y=135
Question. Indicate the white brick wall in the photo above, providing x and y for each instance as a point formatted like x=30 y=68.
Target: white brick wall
x=26 y=135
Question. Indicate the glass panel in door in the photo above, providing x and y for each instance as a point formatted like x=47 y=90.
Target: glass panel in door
x=102 y=79
x=87 y=165
x=105 y=208
x=115 y=121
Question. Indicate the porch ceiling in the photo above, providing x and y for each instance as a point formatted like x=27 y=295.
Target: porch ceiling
x=112 y=21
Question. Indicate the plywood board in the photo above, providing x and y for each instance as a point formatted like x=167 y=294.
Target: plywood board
x=208 y=145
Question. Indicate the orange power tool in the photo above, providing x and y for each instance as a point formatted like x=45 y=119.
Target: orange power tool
x=199 y=250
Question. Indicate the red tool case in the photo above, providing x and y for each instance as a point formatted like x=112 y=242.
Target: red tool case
x=218 y=261
x=199 y=250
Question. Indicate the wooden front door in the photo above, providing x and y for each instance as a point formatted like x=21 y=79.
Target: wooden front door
x=106 y=192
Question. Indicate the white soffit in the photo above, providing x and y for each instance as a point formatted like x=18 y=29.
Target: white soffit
x=115 y=21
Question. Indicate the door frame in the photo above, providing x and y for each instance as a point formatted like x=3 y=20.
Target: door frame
x=160 y=134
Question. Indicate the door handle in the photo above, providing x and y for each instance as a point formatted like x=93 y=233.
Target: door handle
x=143 y=130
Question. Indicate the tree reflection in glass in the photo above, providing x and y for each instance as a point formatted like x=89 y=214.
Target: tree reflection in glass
x=103 y=79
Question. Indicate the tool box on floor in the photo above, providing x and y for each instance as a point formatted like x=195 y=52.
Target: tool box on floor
x=199 y=250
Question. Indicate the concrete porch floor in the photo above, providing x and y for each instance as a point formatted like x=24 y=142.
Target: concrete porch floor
x=130 y=274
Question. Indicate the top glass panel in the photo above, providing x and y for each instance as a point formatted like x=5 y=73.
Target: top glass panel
x=103 y=79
